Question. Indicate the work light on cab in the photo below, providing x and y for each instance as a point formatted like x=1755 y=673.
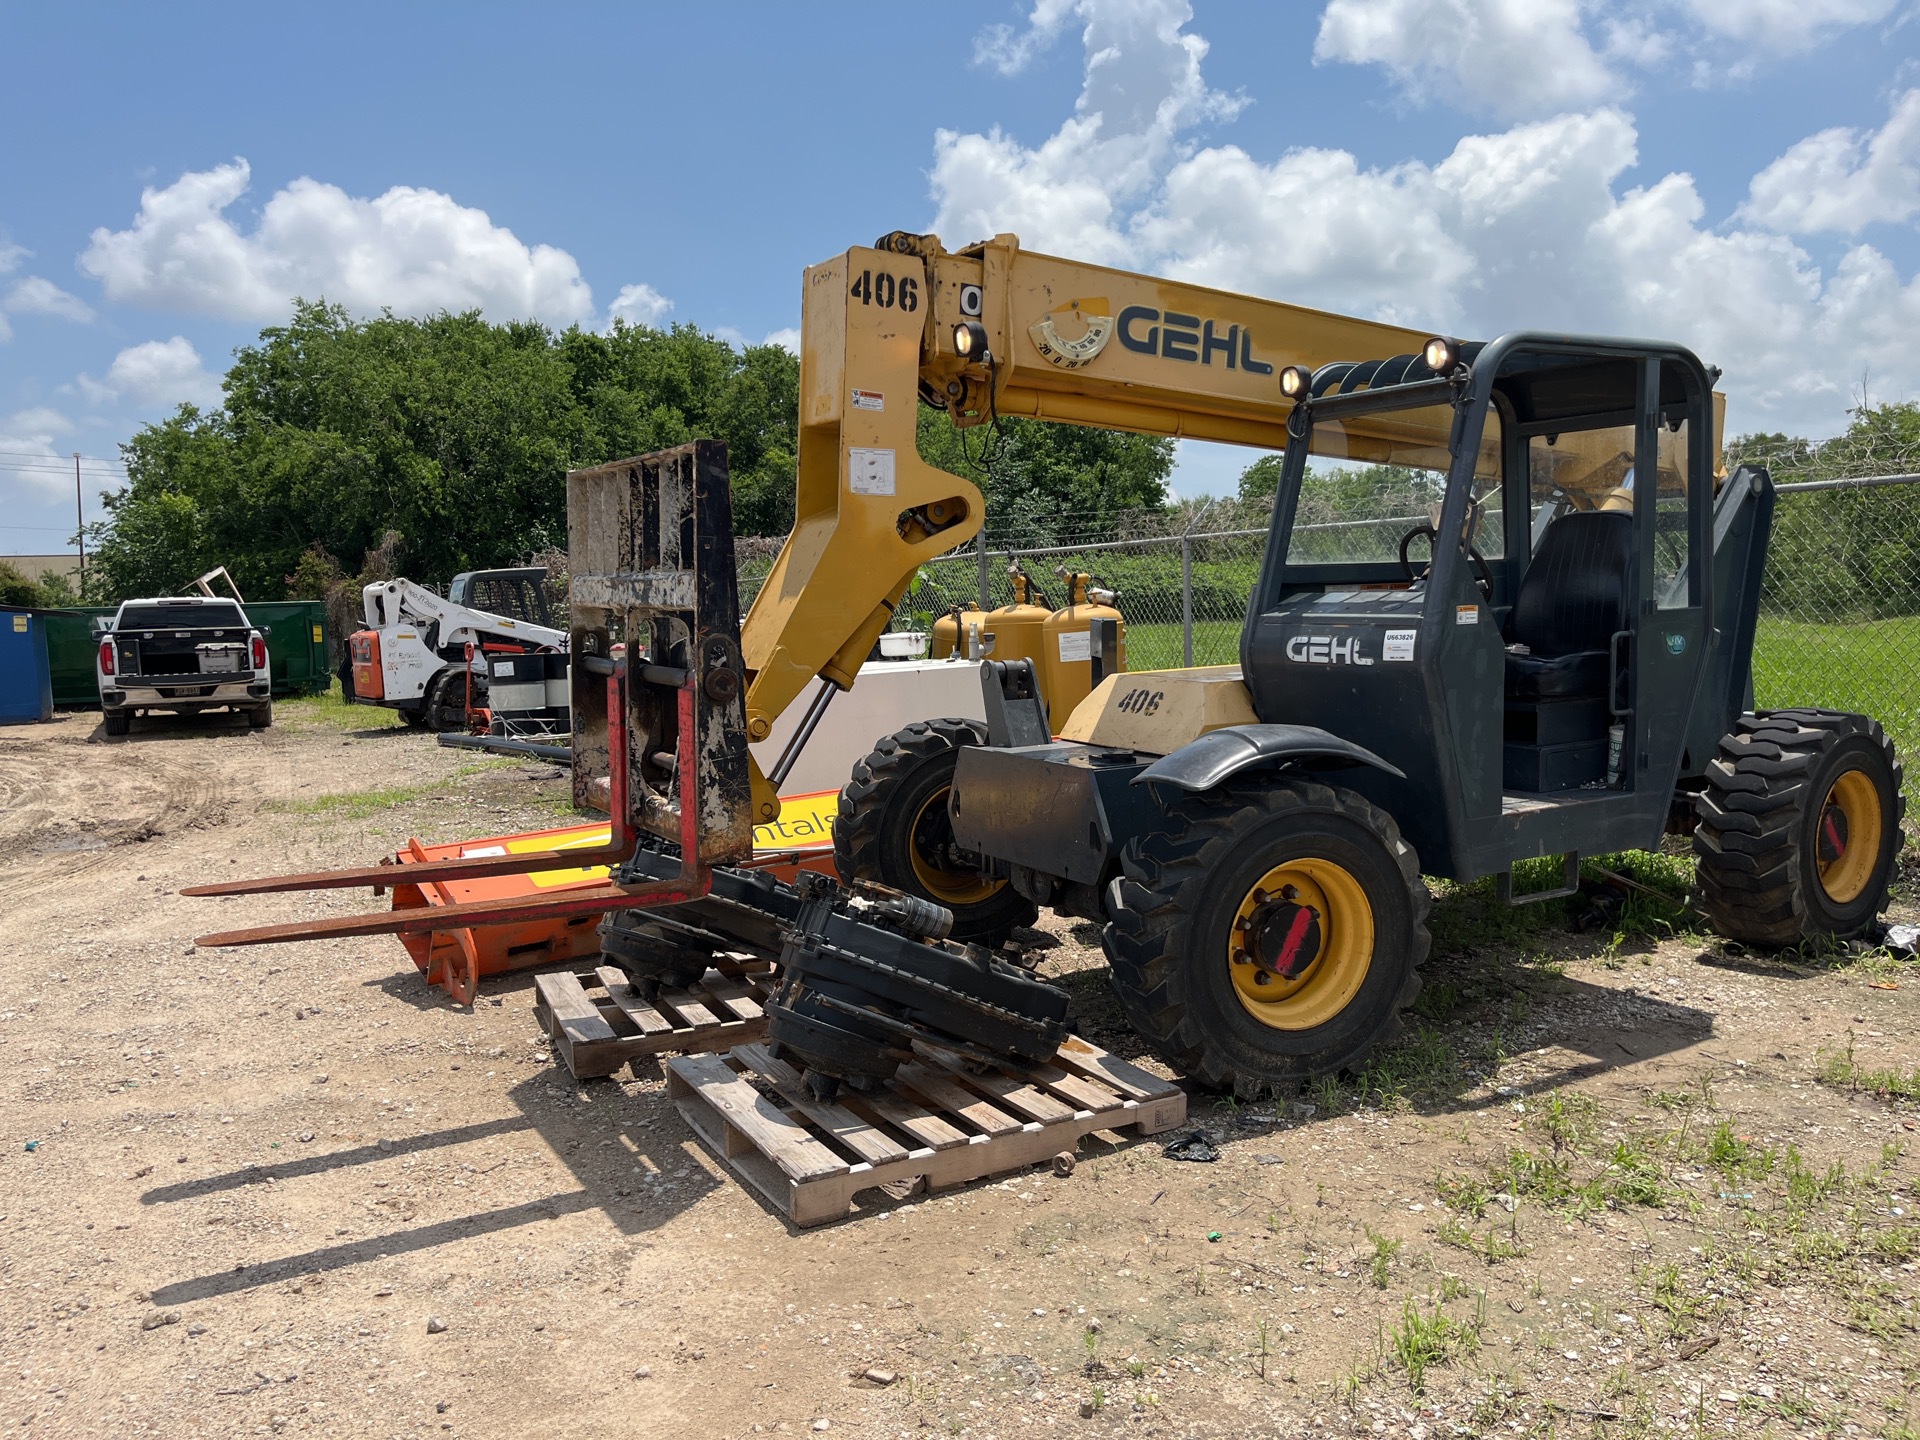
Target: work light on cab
x=1296 y=381
x=1441 y=354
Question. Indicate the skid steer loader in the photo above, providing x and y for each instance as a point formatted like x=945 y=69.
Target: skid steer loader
x=1553 y=661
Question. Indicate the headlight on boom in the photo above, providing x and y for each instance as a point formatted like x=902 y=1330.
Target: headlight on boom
x=970 y=341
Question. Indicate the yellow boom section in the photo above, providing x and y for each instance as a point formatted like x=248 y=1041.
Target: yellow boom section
x=1069 y=342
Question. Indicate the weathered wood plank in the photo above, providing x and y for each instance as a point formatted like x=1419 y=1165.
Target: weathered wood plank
x=758 y=1120
x=570 y=1008
x=691 y=1012
x=943 y=1093
x=646 y=1019
x=866 y=1140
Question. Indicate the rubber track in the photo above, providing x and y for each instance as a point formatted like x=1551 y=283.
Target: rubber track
x=1752 y=820
x=1202 y=834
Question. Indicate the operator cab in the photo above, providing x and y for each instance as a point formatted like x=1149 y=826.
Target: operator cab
x=1479 y=586
x=519 y=594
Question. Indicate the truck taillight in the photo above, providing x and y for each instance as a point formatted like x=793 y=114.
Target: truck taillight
x=259 y=652
x=106 y=657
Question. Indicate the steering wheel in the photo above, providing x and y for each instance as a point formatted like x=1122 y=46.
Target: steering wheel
x=1482 y=574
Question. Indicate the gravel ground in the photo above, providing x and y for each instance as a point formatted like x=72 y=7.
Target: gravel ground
x=1605 y=1186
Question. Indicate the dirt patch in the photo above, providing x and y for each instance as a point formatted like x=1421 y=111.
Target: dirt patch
x=1603 y=1186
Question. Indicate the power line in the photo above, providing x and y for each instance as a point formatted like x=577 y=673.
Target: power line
x=45 y=455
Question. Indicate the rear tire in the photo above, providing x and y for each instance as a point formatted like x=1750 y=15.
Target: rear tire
x=260 y=717
x=893 y=828
x=1346 y=916
x=1798 y=827
x=116 y=722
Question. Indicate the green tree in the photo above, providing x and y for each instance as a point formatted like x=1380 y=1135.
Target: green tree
x=1045 y=482
x=1260 y=480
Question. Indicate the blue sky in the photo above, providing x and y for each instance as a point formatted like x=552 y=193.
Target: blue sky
x=1742 y=177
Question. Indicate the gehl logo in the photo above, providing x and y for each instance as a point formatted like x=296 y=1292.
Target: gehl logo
x=1145 y=331
x=1326 y=650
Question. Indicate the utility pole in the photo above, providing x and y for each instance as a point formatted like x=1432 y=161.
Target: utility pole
x=80 y=521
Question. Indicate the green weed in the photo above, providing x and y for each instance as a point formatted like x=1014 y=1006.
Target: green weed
x=1381 y=1264
x=1424 y=1339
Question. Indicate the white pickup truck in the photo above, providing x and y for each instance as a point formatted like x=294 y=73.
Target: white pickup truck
x=183 y=653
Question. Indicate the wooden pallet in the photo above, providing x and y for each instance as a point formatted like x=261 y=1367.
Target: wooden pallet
x=934 y=1122
x=599 y=1022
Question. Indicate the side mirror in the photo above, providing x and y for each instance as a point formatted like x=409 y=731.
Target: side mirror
x=264 y=629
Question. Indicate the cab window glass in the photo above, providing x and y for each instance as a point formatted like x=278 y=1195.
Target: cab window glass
x=1363 y=492
x=1579 y=470
x=1670 y=531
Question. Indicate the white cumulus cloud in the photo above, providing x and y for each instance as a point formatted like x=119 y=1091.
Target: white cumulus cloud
x=1843 y=180
x=28 y=438
x=158 y=374
x=1783 y=26
x=639 y=305
x=411 y=250
x=1531 y=58
x=1141 y=89
x=1514 y=57
x=36 y=295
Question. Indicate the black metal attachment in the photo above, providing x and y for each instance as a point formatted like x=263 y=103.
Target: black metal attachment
x=854 y=996
x=1016 y=712
x=1103 y=638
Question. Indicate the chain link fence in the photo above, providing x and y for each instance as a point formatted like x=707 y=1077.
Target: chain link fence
x=1839 y=622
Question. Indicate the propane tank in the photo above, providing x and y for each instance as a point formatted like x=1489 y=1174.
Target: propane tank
x=1066 y=647
x=1019 y=628
x=950 y=630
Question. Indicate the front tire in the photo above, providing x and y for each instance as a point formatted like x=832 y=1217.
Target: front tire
x=1269 y=935
x=1798 y=827
x=893 y=828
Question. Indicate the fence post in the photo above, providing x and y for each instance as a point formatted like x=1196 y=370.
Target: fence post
x=1186 y=601
x=983 y=568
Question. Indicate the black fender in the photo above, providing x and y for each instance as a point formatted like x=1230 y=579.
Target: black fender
x=1219 y=755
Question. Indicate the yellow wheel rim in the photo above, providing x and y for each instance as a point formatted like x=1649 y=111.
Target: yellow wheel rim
x=927 y=841
x=1847 y=841
x=1308 y=918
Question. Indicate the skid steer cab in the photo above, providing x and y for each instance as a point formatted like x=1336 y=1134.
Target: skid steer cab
x=1515 y=620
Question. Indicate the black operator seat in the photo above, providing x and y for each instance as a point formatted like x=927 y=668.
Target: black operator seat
x=1572 y=600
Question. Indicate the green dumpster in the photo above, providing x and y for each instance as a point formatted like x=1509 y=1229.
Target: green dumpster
x=296 y=640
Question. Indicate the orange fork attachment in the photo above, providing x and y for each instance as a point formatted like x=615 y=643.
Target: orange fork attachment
x=693 y=881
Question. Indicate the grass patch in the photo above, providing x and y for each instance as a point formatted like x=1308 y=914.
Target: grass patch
x=1865 y=666
x=1380 y=1266
x=1426 y=1338
x=1839 y=1069
x=351 y=804
x=329 y=710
